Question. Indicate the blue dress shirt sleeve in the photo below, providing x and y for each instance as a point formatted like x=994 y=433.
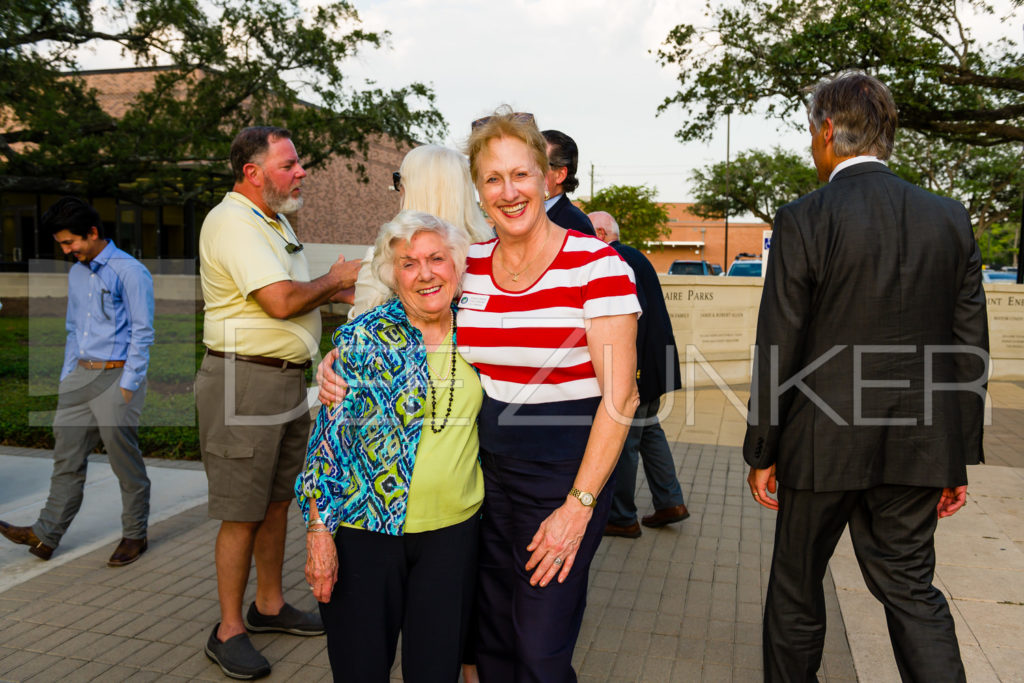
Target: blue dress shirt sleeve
x=138 y=301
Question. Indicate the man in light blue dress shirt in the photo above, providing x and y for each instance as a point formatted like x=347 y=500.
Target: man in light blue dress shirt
x=102 y=382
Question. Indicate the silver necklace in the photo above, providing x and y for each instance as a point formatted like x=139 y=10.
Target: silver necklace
x=515 y=275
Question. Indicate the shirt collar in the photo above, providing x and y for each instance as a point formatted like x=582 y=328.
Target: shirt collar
x=550 y=201
x=242 y=199
x=101 y=258
x=394 y=311
x=855 y=160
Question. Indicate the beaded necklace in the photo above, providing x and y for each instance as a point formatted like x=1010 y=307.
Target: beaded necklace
x=451 y=388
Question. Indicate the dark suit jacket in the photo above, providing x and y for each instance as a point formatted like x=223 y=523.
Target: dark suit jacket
x=564 y=213
x=867 y=278
x=657 y=360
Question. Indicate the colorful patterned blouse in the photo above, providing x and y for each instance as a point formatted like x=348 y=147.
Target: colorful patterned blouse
x=361 y=453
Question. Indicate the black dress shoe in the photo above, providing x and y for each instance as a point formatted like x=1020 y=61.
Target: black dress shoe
x=24 y=535
x=670 y=515
x=127 y=551
x=628 y=531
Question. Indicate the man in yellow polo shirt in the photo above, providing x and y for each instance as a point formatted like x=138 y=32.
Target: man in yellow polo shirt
x=261 y=329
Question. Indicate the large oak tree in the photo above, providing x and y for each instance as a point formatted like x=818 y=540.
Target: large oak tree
x=762 y=55
x=986 y=179
x=226 y=64
x=756 y=182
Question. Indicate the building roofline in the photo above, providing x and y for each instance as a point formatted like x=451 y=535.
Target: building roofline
x=123 y=70
x=175 y=67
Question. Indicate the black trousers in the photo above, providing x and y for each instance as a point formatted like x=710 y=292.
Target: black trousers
x=418 y=584
x=527 y=634
x=892 y=529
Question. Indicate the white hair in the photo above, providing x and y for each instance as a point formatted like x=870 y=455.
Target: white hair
x=436 y=180
x=402 y=228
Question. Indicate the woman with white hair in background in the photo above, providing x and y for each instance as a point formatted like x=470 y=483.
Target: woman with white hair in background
x=435 y=180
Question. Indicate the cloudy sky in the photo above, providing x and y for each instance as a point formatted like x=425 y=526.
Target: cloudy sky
x=581 y=66
x=584 y=67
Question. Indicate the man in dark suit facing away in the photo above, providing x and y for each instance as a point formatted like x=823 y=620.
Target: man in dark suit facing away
x=867 y=400
x=560 y=180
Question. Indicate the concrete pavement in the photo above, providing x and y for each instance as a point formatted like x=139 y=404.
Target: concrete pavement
x=682 y=603
x=176 y=487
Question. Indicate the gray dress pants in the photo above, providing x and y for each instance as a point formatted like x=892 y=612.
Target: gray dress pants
x=91 y=408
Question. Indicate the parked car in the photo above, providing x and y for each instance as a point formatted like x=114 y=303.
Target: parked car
x=690 y=268
x=716 y=269
x=998 y=276
x=748 y=268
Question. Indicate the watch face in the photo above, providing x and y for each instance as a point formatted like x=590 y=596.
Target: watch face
x=587 y=498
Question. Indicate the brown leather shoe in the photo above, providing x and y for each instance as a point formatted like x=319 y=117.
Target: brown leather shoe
x=128 y=550
x=667 y=516
x=628 y=531
x=24 y=535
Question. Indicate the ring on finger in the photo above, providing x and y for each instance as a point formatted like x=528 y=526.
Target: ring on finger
x=558 y=560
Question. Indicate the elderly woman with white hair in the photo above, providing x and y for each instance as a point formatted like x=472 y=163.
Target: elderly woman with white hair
x=392 y=471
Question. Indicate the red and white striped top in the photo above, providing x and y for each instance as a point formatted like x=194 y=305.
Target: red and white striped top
x=530 y=347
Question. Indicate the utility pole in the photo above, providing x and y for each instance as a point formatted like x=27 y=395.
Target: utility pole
x=591 y=180
x=725 y=256
x=1020 y=240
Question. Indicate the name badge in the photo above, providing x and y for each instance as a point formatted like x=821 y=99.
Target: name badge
x=474 y=302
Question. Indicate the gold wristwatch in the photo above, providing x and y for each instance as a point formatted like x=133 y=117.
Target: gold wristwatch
x=583 y=496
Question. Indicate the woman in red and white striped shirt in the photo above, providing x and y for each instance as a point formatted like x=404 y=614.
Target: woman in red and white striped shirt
x=548 y=318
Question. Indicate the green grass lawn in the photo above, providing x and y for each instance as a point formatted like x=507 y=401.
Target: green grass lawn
x=31 y=356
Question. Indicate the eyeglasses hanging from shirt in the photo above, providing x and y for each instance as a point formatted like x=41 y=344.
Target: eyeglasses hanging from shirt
x=289 y=247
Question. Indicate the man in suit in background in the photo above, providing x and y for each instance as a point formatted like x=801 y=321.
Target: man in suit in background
x=868 y=390
x=657 y=362
x=560 y=180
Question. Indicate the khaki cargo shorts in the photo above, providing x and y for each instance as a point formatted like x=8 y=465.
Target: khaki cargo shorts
x=254 y=450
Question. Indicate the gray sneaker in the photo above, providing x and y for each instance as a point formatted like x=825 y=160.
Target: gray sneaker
x=288 y=620
x=237 y=657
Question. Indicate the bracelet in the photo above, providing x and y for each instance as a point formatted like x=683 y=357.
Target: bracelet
x=322 y=529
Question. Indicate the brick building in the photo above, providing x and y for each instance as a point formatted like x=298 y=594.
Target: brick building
x=694 y=239
x=339 y=208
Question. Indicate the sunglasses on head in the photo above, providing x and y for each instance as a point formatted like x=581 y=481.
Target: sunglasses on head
x=519 y=116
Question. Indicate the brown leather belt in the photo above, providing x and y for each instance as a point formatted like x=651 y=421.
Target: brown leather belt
x=100 y=364
x=261 y=360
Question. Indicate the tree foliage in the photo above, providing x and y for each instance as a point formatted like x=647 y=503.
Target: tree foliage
x=987 y=180
x=224 y=64
x=641 y=219
x=999 y=245
x=755 y=182
x=764 y=54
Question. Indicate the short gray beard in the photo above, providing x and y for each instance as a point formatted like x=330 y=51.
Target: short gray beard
x=281 y=203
